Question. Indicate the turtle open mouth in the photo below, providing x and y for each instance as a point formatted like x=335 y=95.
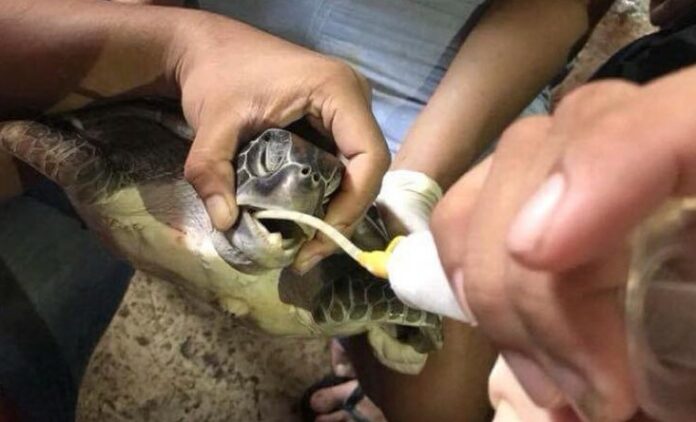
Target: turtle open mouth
x=283 y=235
x=288 y=232
x=274 y=243
x=277 y=234
x=271 y=244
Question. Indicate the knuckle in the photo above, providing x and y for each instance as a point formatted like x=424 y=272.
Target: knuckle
x=340 y=69
x=525 y=298
x=364 y=83
x=485 y=302
x=341 y=72
x=196 y=168
x=614 y=123
x=444 y=216
x=521 y=132
x=576 y=98
x=496 y=287
x=382 y=159
x=362 y=80
x=201 y=166
x=532 y=297
x=205 y=173
x=594 y=96
x=485 y=284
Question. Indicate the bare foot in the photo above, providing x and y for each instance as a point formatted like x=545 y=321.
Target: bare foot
x=344 y=402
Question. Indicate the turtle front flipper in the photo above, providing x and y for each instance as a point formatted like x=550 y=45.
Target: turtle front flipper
x=355 y=301
x=349 y=300
x=61 y=155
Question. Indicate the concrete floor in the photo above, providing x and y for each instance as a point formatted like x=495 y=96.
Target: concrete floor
x=626 y=21
x=168 y=358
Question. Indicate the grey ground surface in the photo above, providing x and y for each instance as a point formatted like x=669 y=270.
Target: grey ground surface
x=166 y=358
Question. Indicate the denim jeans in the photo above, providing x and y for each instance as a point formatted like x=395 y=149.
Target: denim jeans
x=59 y=289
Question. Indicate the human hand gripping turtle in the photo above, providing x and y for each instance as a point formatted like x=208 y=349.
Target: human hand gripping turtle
x=121 y=163
x=293 y=83
x=234 y=81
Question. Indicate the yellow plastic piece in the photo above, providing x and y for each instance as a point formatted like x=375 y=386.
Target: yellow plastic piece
x=376 y=261
x=392 y=245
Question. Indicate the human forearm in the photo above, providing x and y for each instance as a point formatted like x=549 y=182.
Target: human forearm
x=52 y=49
x=515 y=50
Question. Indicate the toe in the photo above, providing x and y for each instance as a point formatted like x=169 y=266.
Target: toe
x=329 y=399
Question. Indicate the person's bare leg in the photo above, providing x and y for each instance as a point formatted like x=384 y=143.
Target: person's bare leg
x=451 y=387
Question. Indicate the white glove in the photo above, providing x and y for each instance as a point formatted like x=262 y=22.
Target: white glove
x=406 y=201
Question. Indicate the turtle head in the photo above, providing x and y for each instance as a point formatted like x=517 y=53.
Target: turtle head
x=279 y=170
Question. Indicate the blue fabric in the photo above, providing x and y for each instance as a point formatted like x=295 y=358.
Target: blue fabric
x=404 y=47
x=59 y=289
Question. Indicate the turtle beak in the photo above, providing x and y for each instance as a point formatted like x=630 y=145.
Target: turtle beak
x=268 y=244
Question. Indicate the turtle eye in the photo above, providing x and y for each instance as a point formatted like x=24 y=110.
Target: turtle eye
x=275 y=152
x=259 y=164
x=273 y=157
x=269 y=160
x=268 y=153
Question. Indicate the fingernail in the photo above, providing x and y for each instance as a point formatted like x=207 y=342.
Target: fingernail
x=535 y=217
x=219 y=212
x=458 y=287
x=303 y=267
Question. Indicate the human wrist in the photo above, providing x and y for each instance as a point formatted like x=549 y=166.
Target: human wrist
x=158 y=35
x=440 y=147
x=203 y=36
x=413 y=181
x=188 y=38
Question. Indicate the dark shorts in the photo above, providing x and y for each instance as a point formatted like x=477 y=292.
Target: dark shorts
x=59 y=289
x=654 y=55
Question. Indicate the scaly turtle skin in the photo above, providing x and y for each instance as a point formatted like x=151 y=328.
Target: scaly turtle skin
x=122 y=167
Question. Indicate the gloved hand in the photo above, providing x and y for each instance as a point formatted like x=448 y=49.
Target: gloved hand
x=406 y=201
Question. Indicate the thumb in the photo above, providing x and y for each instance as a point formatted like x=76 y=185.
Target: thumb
x=610 y=177
x=209 y=169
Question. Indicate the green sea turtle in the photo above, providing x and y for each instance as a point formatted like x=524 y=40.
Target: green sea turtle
x=121 y=164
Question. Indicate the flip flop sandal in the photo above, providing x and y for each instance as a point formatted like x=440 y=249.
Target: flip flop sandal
x=352 y=401
x=349 y=405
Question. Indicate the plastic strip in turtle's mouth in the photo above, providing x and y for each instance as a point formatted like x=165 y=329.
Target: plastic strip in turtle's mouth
x=277 y=232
